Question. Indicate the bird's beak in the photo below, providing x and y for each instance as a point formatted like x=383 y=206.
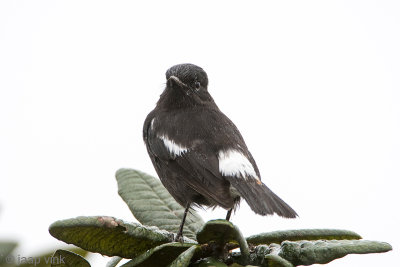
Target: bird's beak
x=175 y=80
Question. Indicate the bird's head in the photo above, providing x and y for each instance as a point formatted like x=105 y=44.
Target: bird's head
x=186 y=86
x=187 y=77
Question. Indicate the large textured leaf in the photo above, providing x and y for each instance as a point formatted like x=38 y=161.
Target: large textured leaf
x=151 y=204
x=219 y=231
x=65 y=258
x=324 y=251
x=109 y=236
x=159 y=256
x=222 y=232
x=301 y=234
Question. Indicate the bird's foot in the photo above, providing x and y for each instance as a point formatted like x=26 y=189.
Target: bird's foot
x=179 y=238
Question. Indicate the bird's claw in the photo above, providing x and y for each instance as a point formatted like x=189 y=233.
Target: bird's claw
x=179 y=238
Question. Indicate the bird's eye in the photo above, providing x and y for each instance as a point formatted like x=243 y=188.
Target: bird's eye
x=197 y=85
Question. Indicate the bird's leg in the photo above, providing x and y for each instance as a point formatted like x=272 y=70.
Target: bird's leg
x=228 y=215
x=179 y=236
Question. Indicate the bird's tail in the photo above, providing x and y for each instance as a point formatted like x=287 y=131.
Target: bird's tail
x=261 y=199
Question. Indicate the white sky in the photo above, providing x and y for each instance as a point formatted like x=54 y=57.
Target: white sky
x=312 y=85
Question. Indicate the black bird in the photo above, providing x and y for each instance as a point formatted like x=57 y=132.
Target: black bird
x=199 y=154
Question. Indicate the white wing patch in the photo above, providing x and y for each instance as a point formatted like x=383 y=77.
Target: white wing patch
x=173 y=147
x=233 y=163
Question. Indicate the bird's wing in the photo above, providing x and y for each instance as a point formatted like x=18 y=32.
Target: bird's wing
x=191 y=158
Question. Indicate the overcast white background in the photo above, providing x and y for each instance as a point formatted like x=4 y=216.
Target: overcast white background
x=312 y=85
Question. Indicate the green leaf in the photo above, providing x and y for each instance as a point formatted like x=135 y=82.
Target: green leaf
x=219 y=231
x=65 y=258
x=6 y=248
x=324 y=251
x=159 y=256
x=301 y=234
x=222 y=232
x=183 y=260
x=151 y=204
x=109 y=236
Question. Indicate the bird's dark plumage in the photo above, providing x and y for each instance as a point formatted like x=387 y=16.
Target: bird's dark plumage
x=198 y=153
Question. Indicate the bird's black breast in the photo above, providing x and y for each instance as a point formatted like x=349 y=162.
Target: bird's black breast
x=193 y=126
